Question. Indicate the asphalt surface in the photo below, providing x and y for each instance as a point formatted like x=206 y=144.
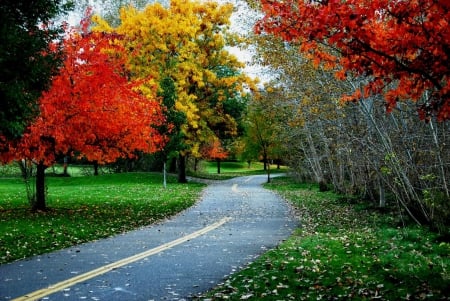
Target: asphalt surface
x=252 y=220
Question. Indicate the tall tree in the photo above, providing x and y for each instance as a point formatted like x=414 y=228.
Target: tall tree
x=28 y=59
x=186 y=42
x=402 y=47
x=91 y=110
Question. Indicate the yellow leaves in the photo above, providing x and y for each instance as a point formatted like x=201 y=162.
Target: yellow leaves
x=102 y=25
x=185 y=41
x=149 y=89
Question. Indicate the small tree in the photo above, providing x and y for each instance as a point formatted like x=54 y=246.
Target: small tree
x=264 y=125
x=215 y=151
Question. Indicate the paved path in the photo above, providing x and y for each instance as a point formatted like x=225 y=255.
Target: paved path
x=237 y=219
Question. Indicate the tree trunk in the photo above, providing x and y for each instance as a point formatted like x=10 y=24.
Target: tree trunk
x=39 y=204
x=26 y=168
x=195 y=164
x=382 y=200
x=218 y=166
x=95 y=168
x=182 y=169
x=65 y=173
x=173 y=165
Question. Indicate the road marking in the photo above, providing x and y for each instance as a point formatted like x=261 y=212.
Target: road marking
x=234 y=188
x=36 y=295
x=249 y=179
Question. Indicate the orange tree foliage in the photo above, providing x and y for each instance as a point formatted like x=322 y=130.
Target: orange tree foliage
x=402 y=47
x=214 y=150
x=92 y=109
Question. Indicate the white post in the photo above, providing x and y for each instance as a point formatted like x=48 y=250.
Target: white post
x=164 y=173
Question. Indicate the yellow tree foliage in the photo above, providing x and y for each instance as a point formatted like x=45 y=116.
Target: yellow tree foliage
x=186 y=42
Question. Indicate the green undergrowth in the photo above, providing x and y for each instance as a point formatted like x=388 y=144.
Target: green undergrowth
x=85 y=208
x=343 y=251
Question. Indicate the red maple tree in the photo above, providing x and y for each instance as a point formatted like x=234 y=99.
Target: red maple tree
x=91 y=110
x=402 y=47
x=214 y=151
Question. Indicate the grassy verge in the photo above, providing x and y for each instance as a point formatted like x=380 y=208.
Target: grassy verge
x=85 y=208
x=228 y=170
x=344 y=251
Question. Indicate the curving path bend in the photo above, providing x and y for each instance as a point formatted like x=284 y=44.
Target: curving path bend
x=237 y=219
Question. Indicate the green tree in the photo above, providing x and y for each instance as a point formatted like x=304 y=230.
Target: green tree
x=174 y=120
x=264 y=126
x=28 y=59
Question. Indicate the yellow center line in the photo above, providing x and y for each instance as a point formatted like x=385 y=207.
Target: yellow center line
x=248 y=179
x=36 y=295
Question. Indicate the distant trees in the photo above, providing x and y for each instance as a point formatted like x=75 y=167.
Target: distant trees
x=264 y=126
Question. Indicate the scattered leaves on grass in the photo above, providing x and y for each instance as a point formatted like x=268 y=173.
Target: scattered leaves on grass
x=344 y=251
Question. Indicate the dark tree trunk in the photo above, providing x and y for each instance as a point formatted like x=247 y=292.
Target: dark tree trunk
x=195 y=164
x=39 y=204
x=173 y=165
x=218 y=166
x=182 y=169
x=95 y=168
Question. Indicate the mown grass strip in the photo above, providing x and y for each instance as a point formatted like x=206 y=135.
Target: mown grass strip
x=228 y=170
x=345 y=251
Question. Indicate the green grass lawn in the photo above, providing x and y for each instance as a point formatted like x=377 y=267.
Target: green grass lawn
x=85 y=208
x=344 y=251
x=228 y=170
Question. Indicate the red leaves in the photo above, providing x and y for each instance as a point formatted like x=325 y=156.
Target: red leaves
x=214 y=151
x=92 y=109
x=403 y=41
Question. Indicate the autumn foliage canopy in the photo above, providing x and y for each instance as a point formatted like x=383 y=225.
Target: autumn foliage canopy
x=214 y=150
x=401 y=47
x=92 y=109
